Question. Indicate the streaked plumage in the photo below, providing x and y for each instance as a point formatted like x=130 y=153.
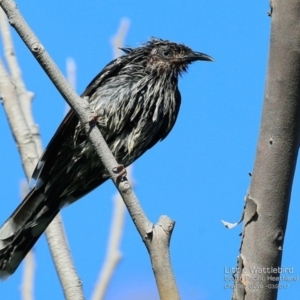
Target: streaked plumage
x=136 y=101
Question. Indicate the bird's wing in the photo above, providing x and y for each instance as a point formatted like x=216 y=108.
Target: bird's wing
x=55 y=157
x=22 y=213
x=110 y=70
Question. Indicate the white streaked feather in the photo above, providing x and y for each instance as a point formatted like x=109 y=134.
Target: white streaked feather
x=66 y=202
x=39 y=183
x=8 y=229
x=4 y=274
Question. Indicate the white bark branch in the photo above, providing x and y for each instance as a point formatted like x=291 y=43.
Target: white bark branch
x=64 y=265
x=17 y=105
x=268 y=199
x=27 y=285
x=25 y=97
x=113 y=254
x=155 y=237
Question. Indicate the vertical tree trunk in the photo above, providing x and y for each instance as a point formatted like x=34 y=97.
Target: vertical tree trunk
x=268 y=199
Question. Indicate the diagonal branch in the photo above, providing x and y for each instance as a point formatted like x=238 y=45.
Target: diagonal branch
x=24 y=96
x=17 y=105
x=113 y=254
x=156 y=238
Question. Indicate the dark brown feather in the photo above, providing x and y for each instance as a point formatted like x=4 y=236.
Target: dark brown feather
x=136 y=101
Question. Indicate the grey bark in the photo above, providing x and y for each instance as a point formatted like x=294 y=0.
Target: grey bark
x=156 y=237
x=268 y=199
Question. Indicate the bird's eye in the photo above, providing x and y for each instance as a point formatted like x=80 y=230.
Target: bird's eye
x=166 y=53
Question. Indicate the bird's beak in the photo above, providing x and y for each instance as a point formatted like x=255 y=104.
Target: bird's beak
x=197 y=56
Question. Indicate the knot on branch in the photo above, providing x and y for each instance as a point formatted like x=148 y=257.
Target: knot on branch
x=37 y=48
x=124 y=186
x=166 y=223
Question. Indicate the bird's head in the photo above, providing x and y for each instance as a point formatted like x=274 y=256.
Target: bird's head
x=164 y=56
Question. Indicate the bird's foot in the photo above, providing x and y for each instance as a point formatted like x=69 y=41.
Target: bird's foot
x=93 y=118
x=119 y=171
x=93 y=115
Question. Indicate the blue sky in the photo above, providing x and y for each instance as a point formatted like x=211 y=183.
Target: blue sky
x=197 y=176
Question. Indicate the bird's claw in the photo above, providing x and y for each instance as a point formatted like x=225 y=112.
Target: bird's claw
x=105 y=175
x=92 y=118
x=119 y=171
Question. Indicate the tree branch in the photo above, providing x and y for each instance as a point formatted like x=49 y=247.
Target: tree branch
x=113 y=254
x=24 y=97
x=156 y=238
x=268 y=199
x=27 y=286
x=17 y=105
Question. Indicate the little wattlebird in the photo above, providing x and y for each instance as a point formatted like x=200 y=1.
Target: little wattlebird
x=135 y=101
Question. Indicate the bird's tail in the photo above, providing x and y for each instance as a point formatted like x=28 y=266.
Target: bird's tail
x=22 y=229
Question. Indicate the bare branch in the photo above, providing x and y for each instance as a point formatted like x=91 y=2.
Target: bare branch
x=113 y=254
x=63 y=262
x=118 y=40
x=268 y=199
x=71 y=72
x=27 y=290
x=59 y=247
x=153 y=236
x=71 y=76
x=25 y=97
x=28 y=140
x=17 y=122
x=29 y=262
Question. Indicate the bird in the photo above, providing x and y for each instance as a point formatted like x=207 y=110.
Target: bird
x=135 y=101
